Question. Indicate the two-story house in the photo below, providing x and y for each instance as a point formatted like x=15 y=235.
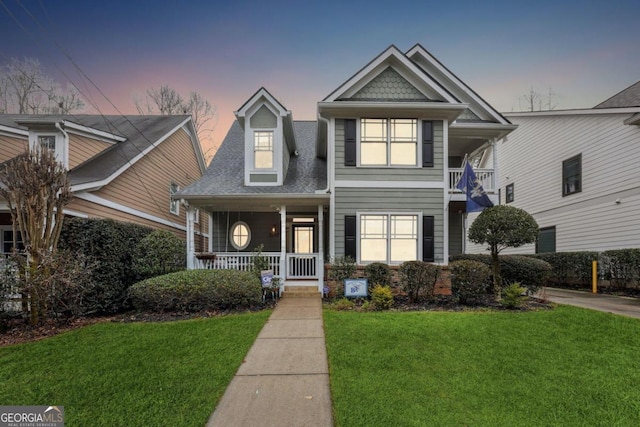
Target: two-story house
x=373 y=178
x=121 y=167
x=576 y=171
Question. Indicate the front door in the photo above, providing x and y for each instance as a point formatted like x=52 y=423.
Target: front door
x=303 y=238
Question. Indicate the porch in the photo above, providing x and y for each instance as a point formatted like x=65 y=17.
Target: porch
x=303 y=266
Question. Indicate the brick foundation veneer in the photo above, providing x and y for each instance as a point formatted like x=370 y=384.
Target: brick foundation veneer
x=442 y=287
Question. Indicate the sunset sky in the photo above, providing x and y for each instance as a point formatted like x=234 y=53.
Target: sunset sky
x=585 y=51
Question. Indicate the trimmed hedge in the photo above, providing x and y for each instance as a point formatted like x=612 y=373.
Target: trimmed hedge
x=197 y=290
x=418 y=277
x=530 y=272
x=378 y=273
x=160 y=252
x=569 y=265
x=622 y=266
x=109 y=246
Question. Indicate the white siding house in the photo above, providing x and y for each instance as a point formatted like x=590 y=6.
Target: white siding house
x=578 y=173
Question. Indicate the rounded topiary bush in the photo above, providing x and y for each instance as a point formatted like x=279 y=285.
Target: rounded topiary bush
x=160 y=252
x=470 y=281
x=381 y=297
x=197 y=290
x=418 y=278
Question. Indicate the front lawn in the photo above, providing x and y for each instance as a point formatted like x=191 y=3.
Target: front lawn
x=567 y=366
x=136 y=374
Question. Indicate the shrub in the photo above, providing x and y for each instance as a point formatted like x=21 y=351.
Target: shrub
x=109 y=245
x=378 y=273
x=160 y=252
x=569 y=265
x=530 y=272
x=197 y=290
x=342 y=267
x=418 y=277
x=512 y=296
x=470 y=281
x=343 y=304
x=381 y=297
x=622 y=266
x=259 y=262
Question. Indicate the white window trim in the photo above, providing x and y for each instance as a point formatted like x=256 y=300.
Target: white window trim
x=418 y=214
x=418 y=164
x=174 y=205
x=232 y=241
x=62 y=145
x=196 y=216
x=4 y=228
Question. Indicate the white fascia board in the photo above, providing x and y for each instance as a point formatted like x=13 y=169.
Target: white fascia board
x=575 y=112
x=388 y=184
x=95 y=185
x=126 y=209
x=190 y=130
x=487 y=130
x=91 y=132
x=75 y=213
x=392 y=51
x=11 y=131
x=417 y=49
x=262 y=92
x=350 y=109
x=266 y=196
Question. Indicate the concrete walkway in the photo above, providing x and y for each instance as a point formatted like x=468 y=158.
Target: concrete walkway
x=624 y=306
x=284 y=379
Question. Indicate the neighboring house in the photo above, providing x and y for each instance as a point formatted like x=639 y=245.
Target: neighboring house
x=373 y=178
x=578 y=173
x=120 y=167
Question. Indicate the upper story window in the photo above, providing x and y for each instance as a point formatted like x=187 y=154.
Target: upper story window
x=174 y=204
x=263 y=149
x=47 y=142
x=388 y=142
x=509 y=193
x=572 y=175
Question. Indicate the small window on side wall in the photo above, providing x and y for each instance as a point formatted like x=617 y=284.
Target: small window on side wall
x=240 y=235
x=174 y=205
x=572 y=175
x=509 y=194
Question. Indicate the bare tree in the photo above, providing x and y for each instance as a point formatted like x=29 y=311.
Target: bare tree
x=535 y=101
x=167 y=101
x=25 y=89
x=36 y=188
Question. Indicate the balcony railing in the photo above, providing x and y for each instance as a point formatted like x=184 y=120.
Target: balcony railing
x=485 y=176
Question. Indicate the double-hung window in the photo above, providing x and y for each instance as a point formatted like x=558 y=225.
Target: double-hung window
x=263 y=149
x=572 y=175
x=388 y=142
x=388 y=238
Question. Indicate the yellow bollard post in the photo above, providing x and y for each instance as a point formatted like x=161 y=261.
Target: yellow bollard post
x=594 y=277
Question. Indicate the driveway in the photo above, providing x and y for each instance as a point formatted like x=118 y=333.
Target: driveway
x=624 y=306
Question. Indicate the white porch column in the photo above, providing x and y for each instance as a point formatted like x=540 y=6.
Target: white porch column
x=283 y=243
x=210 y=230
x=320 y=248
x=494 y=152
x=190 y=216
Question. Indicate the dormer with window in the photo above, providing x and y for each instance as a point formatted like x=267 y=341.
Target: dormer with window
x=269 y=141
x=50 y=139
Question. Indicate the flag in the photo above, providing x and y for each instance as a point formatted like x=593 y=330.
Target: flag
x=477 y=198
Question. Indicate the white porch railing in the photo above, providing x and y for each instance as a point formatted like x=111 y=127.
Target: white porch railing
x=302 y=266
x=237 y=261
x=485 y=176
x=298 y=266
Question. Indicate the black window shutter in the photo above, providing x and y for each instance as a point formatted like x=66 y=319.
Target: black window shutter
x=427 y=144
x=428 y=246
x=350 y=142
x=350 y=236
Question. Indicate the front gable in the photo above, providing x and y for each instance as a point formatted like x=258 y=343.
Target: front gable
x=389 y=85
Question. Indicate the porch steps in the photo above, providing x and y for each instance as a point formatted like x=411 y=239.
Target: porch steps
x=301 y=291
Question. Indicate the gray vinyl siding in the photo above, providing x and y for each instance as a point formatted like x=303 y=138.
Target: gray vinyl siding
x=349 y=201
x=455 y=233
x=259 y=224
x=263 y=119
x=435 y=173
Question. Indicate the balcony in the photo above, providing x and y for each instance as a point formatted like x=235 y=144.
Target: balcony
x=485 y=176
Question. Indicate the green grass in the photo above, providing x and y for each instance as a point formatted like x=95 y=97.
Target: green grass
x=565 y=367
x=136 y=374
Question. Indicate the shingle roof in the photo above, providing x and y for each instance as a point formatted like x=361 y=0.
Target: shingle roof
x=140 y=133
x=629 y=97
x=225 y=174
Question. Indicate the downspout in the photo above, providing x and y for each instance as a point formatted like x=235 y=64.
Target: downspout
x=327 y=190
